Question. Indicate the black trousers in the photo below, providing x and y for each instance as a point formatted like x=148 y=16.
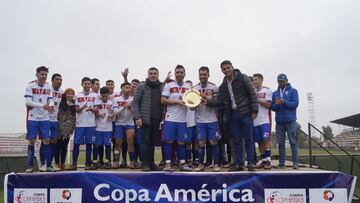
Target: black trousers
x=61 y=150
x=148 y=135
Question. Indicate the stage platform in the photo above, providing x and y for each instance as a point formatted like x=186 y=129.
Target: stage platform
x=270 y=186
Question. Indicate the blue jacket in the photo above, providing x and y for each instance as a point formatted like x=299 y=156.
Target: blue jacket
x=286 y=112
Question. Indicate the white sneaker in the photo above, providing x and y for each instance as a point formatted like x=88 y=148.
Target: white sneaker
x=42 y=168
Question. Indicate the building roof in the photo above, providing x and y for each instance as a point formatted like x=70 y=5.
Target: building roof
x=352 y=121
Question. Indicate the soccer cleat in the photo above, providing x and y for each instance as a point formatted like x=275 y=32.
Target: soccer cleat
x=168 y=168
x=199 y=168
x=261 y=165
x=162 y=163
x=29 y=170
x=145 y=168
x=107 y=165
x=72 y=167
x=50 y=169
x=132 y=165
x=216 y=168
x=185 y=167
x=123 y=164
x=42 y=168
x=116 y=165
x=89 y=167
x=195 y=163
x=268 y=165
x=225 y=165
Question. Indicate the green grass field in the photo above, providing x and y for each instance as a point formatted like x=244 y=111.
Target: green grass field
x=325 y=162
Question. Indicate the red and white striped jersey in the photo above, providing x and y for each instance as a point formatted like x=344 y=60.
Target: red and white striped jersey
x=57 y=96
x=205 y=114
x=264 y=114
x=39 y=94
x=85 y=118
x=174 y=91
x=125 y=116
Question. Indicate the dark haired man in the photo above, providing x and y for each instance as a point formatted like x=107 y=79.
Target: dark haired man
x=147 y=115
x=104 y=126
x=206 y=120
x=124 y=124
x=39 y=103
x=238 y=97
x=175 y=119
x=262 y=123
x=85 y=123
x=285 y=101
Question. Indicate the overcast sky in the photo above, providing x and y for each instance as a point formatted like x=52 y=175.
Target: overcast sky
x=316 y=43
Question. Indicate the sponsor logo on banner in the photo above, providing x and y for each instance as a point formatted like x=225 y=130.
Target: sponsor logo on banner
x=65 y=195
x=30 y=195
x=328 y=195
x=285 y=195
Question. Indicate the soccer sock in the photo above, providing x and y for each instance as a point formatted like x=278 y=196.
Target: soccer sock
x=168 y=152
x=31 y=150
x=101 y=153
x=216 y=153
x=88 y=154
x=263 y=157
x=42 y=154
x=95 y=152
x=124 y=151
x=137 y=151
x=132 y=156
x=108 y=152
x=52 y=151
x=201 y=151
x=181 y=153
x=268 y=154
x=76 y=153
x=47 y=153
x=116 y=155
x=188 y=154
x=196 y=154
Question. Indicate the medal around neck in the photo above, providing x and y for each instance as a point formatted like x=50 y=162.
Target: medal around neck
x=191 y=98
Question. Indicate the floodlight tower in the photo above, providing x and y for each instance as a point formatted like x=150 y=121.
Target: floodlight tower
x=311 y=112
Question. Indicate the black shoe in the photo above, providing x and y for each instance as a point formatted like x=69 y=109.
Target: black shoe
x=154 y=167
x=162 y=163
x=145 y=168
x=236 y=168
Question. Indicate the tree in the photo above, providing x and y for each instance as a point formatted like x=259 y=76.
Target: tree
x=327 y=132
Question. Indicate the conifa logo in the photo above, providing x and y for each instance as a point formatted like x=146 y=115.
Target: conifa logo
x=30 y=195
x=285 y=195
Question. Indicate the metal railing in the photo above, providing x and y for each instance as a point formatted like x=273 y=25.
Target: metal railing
x=311 y=126
x=339 y=162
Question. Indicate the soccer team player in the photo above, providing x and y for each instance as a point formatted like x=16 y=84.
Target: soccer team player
x=262 y=123
x=124 y=125
x=85 y=123
x=207 y=121
x=104 y=126
x=39 y=103
x=175 y=124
